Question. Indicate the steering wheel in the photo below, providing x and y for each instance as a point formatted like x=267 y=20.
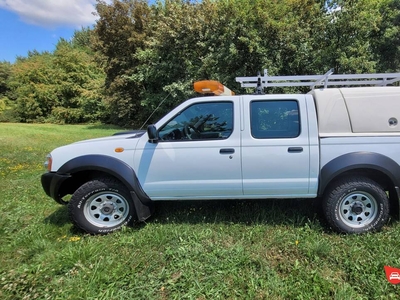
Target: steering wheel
x=187 y=130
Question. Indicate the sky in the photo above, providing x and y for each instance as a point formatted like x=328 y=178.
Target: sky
x=27 y=25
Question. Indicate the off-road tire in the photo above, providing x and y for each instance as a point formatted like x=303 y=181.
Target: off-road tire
x=102 y=206
x=356 y=205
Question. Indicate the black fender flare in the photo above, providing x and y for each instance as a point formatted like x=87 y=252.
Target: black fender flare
x=359 y=160
x=120 y=170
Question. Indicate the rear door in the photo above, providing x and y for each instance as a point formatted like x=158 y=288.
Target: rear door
x=275 y=146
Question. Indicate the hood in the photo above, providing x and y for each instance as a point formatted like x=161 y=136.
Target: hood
x=134 y=134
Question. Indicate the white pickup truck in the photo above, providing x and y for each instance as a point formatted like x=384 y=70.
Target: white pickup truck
x=339 y=144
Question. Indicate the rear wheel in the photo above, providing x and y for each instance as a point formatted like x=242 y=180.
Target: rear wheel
x=101 y=206
x=356 y=205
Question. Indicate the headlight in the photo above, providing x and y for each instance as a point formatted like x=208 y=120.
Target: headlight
x=47 y=163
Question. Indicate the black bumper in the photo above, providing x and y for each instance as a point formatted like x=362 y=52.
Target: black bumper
x=51 y=183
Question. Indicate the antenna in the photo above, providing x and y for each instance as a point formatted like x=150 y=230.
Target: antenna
x=141 y=127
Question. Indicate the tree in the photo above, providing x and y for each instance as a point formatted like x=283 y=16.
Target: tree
x=121 y=32
x=182 y=41
x=349 y=37
x=64 y=87
x=386 y=40
x=80 y=84
x=5 y=72
x=139 y=55
x=6 y=95
x=32 y=82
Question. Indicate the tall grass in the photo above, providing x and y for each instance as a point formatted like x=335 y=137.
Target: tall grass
x=275 y=249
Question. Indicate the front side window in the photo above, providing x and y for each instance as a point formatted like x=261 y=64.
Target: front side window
x=200 y=121
x=275 y=119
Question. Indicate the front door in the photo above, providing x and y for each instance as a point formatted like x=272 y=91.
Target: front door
x=197 y=156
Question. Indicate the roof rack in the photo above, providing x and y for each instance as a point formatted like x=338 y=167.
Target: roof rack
x=261 y=82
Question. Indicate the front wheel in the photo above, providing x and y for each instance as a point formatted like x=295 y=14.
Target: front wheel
x=356 y=205
x=101 y=206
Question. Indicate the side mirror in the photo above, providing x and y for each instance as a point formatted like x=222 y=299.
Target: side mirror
x=152 y=133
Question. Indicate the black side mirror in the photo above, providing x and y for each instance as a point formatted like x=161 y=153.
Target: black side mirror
x=152 y=133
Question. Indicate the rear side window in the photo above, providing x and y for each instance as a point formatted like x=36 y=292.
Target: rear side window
x=274 y=119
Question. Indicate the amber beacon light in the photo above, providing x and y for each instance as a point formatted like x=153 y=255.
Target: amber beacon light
x=212 y=87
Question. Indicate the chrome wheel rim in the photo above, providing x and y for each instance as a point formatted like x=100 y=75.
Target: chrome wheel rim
x=106 y=209
x=358 y=209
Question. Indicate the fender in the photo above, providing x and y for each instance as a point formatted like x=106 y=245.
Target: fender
x=359 y=160
x=120 y=170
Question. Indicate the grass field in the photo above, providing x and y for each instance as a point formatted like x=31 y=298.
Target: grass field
x=187 y=250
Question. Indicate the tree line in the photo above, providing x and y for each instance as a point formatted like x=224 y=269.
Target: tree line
x=138 y=55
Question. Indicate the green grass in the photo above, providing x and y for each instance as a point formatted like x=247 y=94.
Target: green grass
x=188 y=250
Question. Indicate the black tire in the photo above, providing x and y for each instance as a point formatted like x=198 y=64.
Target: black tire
x=101 y=206
x=356 y=205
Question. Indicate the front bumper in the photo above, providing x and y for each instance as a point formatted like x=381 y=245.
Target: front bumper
x=51 y=183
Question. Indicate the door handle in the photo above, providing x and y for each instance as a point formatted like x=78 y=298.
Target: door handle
x=295 y=149
x=227 y=151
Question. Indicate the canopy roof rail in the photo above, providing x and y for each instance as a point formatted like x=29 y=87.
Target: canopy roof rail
x=313 y=81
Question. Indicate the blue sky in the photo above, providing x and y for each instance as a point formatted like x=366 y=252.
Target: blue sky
x=27 y=25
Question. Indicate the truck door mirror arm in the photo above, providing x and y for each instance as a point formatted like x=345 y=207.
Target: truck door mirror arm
x=152 y=133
